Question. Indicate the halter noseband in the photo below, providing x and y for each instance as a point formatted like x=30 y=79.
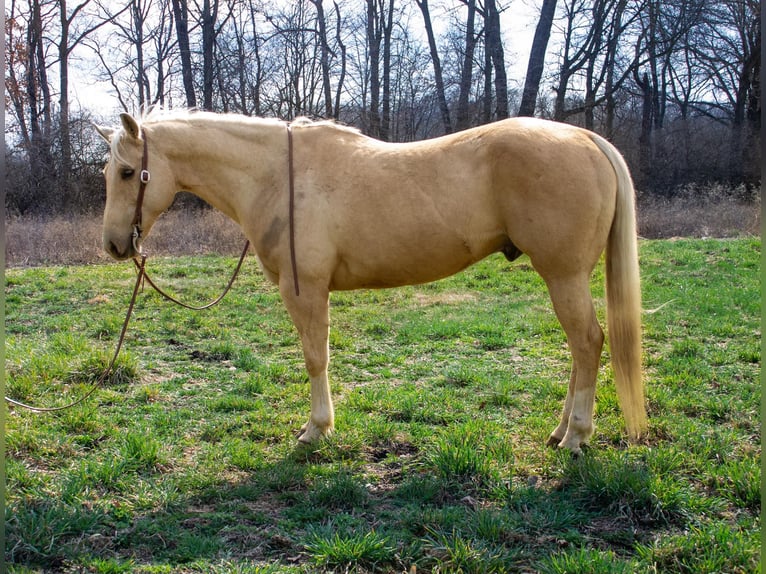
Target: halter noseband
x=144 y=178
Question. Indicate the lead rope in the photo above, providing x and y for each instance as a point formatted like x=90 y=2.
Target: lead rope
x=102 y=379
x=137 y=221
x=142 y=274
x=192 y=307
x=291 y=185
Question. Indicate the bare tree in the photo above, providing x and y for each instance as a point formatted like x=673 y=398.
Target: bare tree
x=16 y=58
x=342 y=48
x=387 y=23
x=210 y=27
x=731 y=53
x=438 y=78
x=537 y=58
x=324 y=57
x=494 y=45
x=181 y=17
x=164 y=44
x=42 y=166
x=240 y=69
x=299 y=85
x=462 y=114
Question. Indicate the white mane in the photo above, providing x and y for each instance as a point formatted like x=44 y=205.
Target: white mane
x=158 y=114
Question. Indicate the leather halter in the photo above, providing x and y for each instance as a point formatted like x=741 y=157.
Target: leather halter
x=144 y=178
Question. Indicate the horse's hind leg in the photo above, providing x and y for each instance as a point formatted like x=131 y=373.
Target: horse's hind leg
x=574 y=308
x=310 y=313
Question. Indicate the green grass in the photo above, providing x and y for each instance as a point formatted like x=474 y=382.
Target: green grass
x=445 y=394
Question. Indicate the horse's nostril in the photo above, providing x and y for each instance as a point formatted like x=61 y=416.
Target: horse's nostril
x=115 y=251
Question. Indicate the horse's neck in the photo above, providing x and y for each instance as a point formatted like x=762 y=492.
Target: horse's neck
x=229 y=165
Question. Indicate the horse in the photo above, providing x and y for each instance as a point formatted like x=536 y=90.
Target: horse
x=327 y=208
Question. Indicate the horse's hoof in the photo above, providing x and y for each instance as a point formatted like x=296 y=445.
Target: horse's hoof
x=311 y=433
x=577 y=448
x=553 y=442
x=574 y=446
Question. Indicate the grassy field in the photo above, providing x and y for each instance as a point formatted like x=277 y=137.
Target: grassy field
x=445 y=395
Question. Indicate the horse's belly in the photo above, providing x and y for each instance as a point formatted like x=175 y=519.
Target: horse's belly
x=397 y=265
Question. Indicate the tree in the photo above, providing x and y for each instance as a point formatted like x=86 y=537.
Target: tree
x=537 y=58
x=324 y=58
x=16 y=54
x=732 y=60
x=462 y=114
x=208 y=20
x=663 y=26
x=39 y=102
x=69 y=39
x=181 y=17
x=331 y=110
x=342 y=48
x=241 y=70
x=380 y=19
x=438 y=79
x=494 y=45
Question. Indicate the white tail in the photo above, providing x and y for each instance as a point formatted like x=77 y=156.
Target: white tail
x=623 y=296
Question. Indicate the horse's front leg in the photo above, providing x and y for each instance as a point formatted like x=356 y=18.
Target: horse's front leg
x=310 y=312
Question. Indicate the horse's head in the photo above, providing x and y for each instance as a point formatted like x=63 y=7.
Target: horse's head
x=139 y=187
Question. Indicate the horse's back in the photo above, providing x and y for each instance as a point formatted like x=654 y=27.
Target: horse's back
x=408 y=213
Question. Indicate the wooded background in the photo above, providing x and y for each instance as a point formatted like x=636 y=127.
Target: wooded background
x=673 y=83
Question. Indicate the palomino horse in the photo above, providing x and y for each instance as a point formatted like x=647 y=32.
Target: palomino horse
x=327 y=208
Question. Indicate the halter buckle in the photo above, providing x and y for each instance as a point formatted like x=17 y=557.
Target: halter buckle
x=145 y=176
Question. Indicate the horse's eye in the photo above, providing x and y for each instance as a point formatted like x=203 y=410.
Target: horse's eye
x=127 y=173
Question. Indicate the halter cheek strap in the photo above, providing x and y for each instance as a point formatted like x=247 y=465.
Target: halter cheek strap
x=144 y=178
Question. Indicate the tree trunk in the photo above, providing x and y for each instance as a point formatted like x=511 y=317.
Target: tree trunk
x=486 y=107
x=181 y=14
x=745 y=127
x=141 y=81
x=66 y=144
x=208 y=18
x=374 y=38
x=256 y=89
x=324 y=58
x=438 y=79
x=463 y=116
x=387 y=23
x=495 y=46
x=342 y=46
x=611 y=105
x=537 y=59
x=645 y=137
x=42 y=167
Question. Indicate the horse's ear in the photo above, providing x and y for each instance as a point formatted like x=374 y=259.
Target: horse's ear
x=105 y=133
x=130 y=125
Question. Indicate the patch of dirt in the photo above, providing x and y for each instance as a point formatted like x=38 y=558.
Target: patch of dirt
x=425 y=299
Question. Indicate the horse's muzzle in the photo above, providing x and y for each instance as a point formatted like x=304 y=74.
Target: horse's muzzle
x=119 y=250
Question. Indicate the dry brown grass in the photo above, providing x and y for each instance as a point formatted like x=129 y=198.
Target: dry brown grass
x=77 y=239
x=695 y=211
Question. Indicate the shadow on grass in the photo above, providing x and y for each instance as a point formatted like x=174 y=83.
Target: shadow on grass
x=318 y=508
